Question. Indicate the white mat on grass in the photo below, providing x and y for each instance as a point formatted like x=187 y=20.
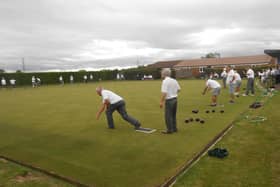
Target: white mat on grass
x=146 y=130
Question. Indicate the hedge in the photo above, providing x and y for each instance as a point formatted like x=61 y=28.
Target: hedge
x=53 y=77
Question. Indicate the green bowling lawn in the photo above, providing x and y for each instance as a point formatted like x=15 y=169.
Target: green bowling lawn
x=54 y=128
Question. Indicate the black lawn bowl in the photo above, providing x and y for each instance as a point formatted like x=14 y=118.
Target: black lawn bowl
x=213 y=111
x=197 y=119
x=191 y=119
x=222 y=111
x=195 y=111
x=207 y=111
x=237 y=95
x=202 y=121
x=187 y=121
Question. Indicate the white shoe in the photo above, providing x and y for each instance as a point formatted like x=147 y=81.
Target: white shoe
x=244 y=95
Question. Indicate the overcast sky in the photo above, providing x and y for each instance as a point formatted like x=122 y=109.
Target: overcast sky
x=80 y=34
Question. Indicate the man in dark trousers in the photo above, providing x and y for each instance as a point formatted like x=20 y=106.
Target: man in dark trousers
x=169 y=90
x=112 y=102
x=250 y=83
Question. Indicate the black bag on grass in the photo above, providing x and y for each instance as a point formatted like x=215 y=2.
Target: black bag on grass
x=218 y=152
x=255 y=105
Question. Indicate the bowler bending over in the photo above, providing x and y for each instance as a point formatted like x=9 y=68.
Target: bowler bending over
x=112 y=102
x=216 y=89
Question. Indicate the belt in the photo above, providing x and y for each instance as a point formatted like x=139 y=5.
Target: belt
x=171 y=99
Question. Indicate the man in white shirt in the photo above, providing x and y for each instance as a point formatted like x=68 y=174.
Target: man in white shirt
x=250 y=82
x=262 y=76
x=33 y=81
x=216 y=75
x=231 y=82
x=169 y=90
x=71 y=79
x=38 y=81
x=112 y=102
x=3 y=82
x=224 y=76
x=85 y=78
x=13 y=82
x=61 y=80
x=216 y=90
x=238 y=82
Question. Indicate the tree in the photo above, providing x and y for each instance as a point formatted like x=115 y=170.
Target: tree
x=2 y=71
x=18 y=71
x=212 y=55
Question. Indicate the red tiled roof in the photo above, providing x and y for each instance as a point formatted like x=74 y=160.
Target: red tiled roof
x=165 y=64
x=244 y=60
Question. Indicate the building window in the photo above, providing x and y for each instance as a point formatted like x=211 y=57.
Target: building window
x=201 y=69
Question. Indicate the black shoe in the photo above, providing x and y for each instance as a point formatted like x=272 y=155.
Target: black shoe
x=176 y=130
x=137 y=127
x=166 y=132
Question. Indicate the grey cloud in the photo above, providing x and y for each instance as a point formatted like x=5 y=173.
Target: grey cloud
x=60 y=29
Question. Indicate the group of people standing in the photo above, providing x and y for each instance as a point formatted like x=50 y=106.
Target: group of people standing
x=269 y=77
x=4 y=83
x=36 y=81
x=232 y=79
x=71 y=79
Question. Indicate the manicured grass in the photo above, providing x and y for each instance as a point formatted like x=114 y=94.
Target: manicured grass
x=54 y=127
x=254 y=158
x=12 y=175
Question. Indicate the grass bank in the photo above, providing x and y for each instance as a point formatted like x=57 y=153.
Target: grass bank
x=254 y=154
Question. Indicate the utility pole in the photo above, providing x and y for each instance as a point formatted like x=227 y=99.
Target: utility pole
x=23 y=65
x=137 y=62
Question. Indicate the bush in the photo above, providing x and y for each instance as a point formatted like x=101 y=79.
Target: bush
x=53 y=77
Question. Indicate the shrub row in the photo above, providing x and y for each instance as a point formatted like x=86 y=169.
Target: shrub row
x=53 y=77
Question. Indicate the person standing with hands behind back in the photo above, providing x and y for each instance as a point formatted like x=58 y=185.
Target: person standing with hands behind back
x=169 y=90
